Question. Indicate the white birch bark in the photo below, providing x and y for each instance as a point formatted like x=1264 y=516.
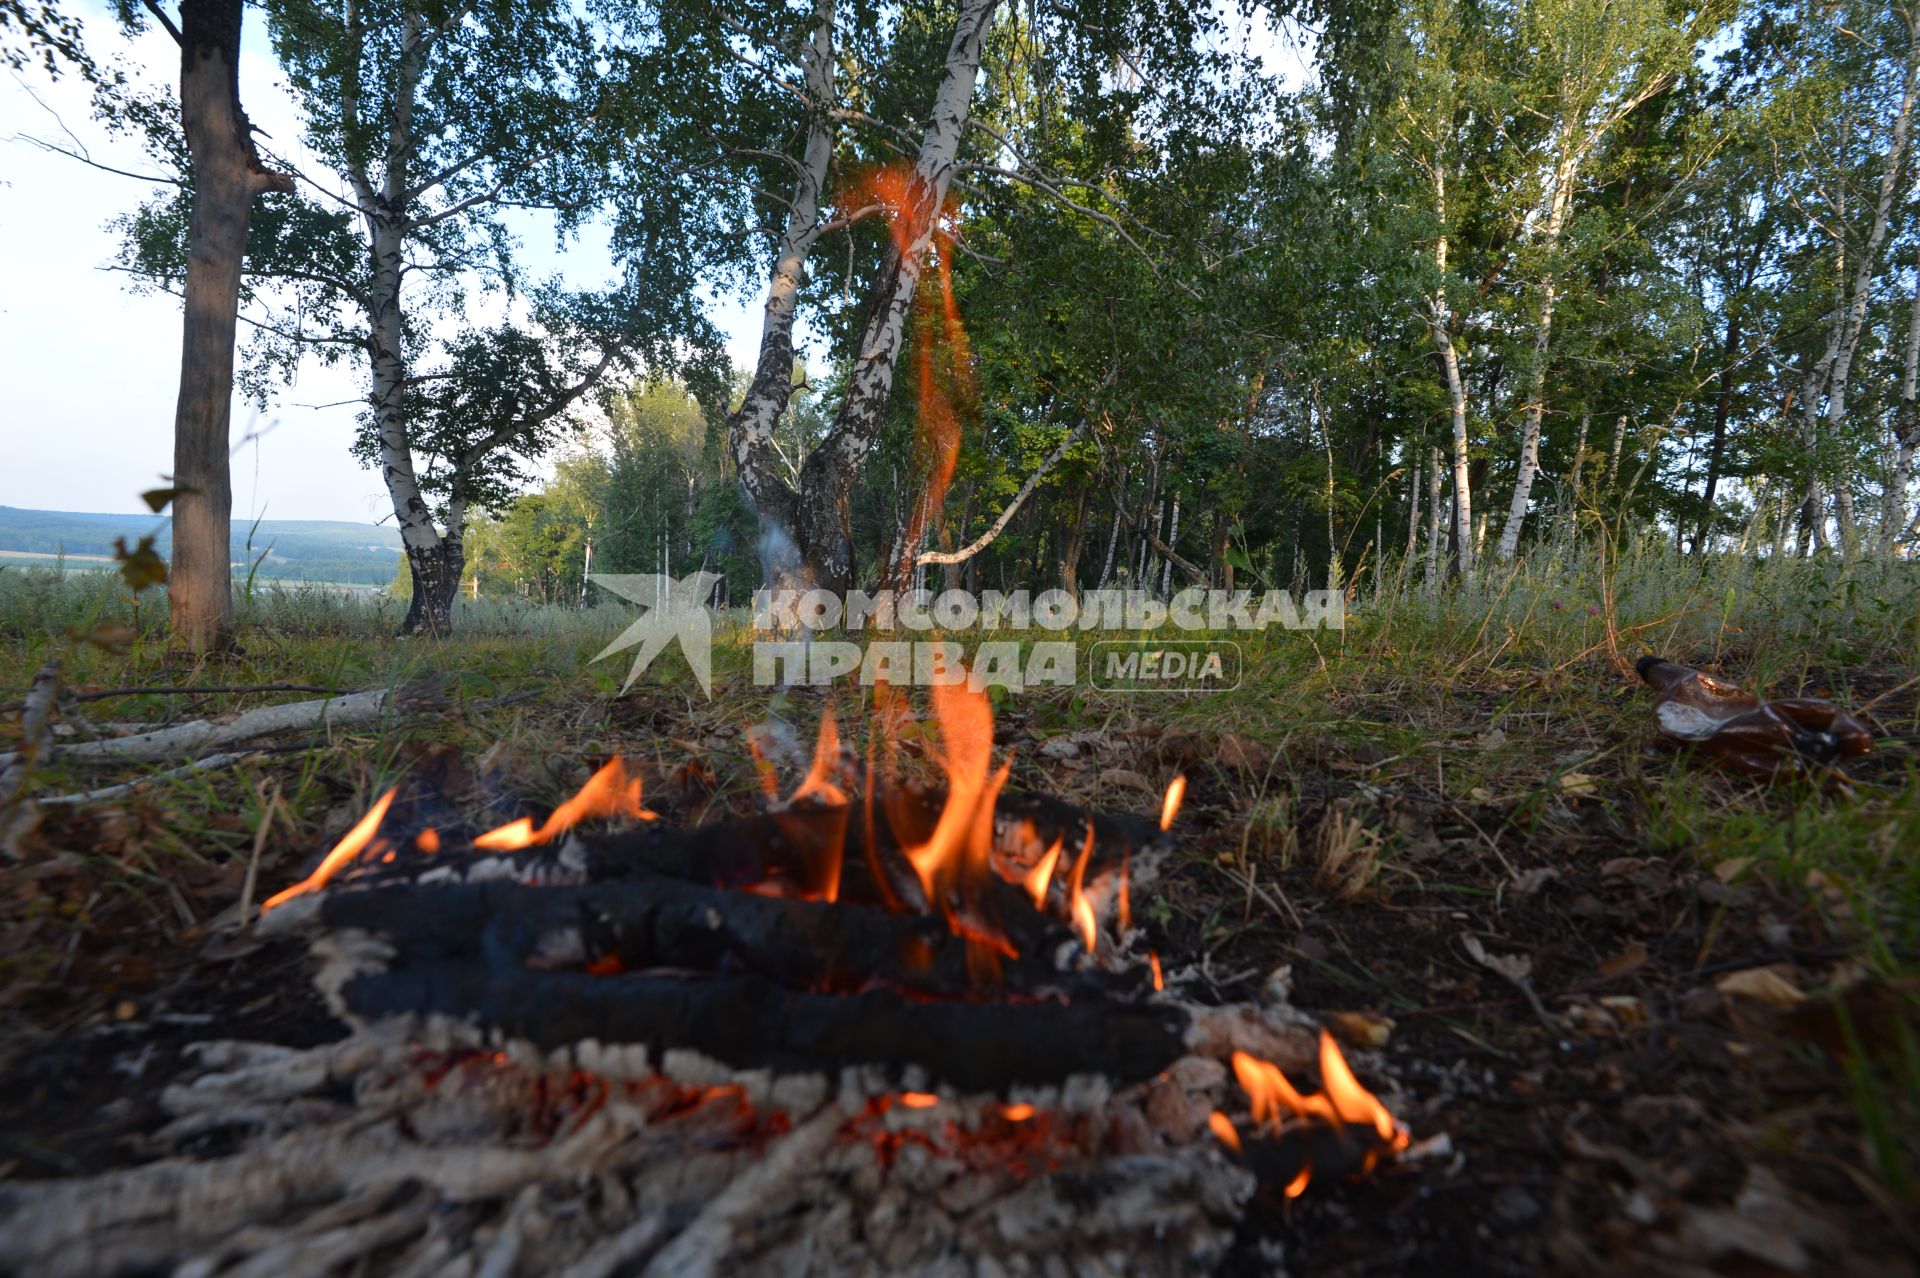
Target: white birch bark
x=1833 y=373
x=751 y=429
x=1907 y=429
x=826 y=480
x=1440 y=326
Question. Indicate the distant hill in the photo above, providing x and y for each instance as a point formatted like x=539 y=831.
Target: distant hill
x=297 y=549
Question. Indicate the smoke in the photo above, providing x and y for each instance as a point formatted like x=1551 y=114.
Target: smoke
x=781 y=565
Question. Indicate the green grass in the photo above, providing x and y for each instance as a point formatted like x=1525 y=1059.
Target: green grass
x=1495 y=699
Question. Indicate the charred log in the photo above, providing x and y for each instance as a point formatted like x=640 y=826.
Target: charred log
x=748 y=1022
x=664 y=923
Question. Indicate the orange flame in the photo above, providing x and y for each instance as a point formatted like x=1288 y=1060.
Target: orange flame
x=1224 y=1131
x=962 y=839
x=903 y=196
x=1078 y=906
x=820 y=787
x=1040 y=878
x=610 y=792
x=1016 y=1113
x=1273 y=1100
x=341 y=856
x=1170 y=806
x=919 y=1100
x=428 y=840
x=1153 y=961
x=819 y=782
x=1122 y=906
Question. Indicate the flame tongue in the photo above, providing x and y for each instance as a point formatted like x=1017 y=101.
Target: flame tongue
x=610 y=792
x=1345 y=1103
x=343 y=854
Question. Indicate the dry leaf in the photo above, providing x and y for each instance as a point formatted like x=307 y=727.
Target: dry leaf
x=1763 y=985
x=1242 y=755
x=1632 y=957
x=1578 y=783
x=1732 y=868
x=1527 y=882
x=1515 y=967
x=1129 y=780
x=1628 y=1010
x=1360 y=1029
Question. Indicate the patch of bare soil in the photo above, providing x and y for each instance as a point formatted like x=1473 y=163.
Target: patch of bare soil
x=1619 y=1043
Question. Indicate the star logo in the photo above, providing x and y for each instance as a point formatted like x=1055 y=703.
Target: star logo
x=676 y=611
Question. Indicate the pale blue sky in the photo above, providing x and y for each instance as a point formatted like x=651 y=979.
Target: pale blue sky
x=91 y=370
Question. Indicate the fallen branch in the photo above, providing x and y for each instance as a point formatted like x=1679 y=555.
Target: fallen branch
x=138 y=784
x=234 y=689
x=352 y=710
x=37 y=710
x=17 y=817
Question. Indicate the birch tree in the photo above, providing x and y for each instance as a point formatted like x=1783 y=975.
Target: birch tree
x=1596 y=62
x=1838 y=115
x=436 y=119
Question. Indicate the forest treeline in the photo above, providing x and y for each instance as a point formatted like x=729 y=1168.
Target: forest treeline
x=1094 y=292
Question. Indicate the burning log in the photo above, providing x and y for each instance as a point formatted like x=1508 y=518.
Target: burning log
x=748 y=1022
x=638 y=924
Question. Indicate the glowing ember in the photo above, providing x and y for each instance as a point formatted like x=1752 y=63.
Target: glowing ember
x=1078 y=907
x=428 y=840
x=1170 y=806
x=1345 y=1103
x=1041 y=876
x=610 y=792
x=342 y=855
x=1122 y=907
x=1016 y=1113
x=919 y=1100
x=1153 y=961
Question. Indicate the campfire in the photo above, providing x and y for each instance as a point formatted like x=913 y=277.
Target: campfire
x=878 y=1024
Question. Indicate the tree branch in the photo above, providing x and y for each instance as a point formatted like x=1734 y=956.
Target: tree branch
x=1006 y=516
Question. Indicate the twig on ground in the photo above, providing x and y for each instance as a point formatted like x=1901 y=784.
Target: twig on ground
x=140 y=783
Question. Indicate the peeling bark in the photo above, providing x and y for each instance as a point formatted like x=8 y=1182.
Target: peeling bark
x=814 y=513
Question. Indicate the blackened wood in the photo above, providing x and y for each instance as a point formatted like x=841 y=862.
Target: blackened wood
x=666 y=923
x=748 y=1022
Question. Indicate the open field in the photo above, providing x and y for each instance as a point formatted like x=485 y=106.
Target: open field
x=1715 y=980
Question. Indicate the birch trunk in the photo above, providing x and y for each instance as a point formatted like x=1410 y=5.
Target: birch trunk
x=1440 y=326
x=828 y=475
x=750 y=430
x=1434 y=569
x=227 y=175
x=1173 y=539
x=1566 y=169
x=1834 y=371
x=1907 y=418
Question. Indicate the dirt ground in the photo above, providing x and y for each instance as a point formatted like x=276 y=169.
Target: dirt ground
x=1624 y=1043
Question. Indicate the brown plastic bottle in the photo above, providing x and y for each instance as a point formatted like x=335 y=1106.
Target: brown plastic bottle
x=1739 y=730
